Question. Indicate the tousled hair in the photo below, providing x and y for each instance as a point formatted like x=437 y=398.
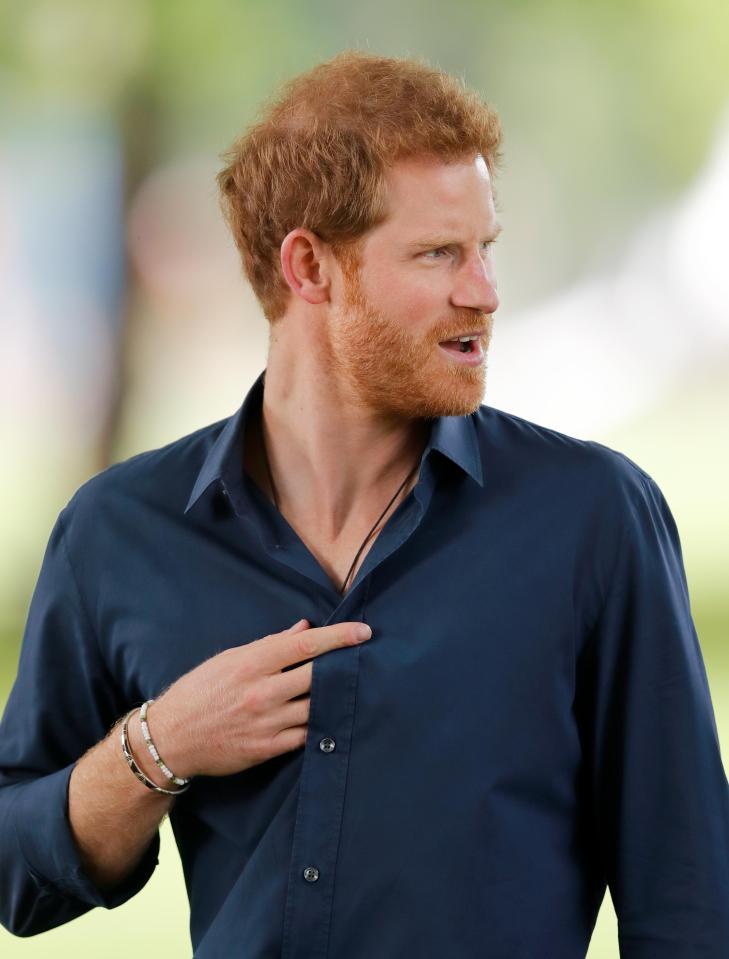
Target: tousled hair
x=318 y=155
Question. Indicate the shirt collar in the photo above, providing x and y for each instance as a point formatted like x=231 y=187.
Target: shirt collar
x=454 y=436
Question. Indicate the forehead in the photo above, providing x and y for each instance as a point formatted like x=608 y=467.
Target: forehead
x=428 y=193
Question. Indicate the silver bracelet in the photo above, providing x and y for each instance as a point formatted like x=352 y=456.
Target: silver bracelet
x=133 y=766
x=153 y=750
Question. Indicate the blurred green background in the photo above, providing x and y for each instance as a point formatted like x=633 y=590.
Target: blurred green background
x=127 y=323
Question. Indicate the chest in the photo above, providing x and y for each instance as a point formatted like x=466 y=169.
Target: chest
x=338 y=558
x=174 y=593
x=341 y=558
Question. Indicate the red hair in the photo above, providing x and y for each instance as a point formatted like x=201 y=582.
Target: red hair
x=317 y=157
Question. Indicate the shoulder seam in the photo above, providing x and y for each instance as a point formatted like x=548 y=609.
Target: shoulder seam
x=635 y=468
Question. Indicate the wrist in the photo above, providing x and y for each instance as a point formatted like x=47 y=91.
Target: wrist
x=165 y=738
x=141 y=754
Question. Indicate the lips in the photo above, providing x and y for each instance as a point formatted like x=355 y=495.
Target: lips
x=470 y=357
x=467 y=333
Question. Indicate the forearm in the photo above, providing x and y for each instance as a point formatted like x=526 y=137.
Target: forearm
x=113 y=815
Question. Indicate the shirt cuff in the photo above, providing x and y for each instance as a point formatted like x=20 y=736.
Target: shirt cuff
x=39 y=814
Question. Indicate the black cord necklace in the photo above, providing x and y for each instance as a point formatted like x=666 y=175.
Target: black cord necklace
x=354 y=561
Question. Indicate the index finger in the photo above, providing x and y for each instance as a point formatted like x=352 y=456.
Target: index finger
x=281 y=650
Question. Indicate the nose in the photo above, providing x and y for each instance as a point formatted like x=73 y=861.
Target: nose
x=474 y=285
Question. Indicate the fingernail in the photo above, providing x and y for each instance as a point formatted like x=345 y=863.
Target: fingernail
x=363 y=631
x=298 y=624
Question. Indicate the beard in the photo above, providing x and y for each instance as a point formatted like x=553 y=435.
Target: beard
x=379 y=363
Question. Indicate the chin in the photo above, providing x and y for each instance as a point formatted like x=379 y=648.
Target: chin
x=452 y=396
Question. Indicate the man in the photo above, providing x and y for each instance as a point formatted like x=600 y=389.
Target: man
x=530 y=719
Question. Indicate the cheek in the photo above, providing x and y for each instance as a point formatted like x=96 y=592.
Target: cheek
x=412 y=297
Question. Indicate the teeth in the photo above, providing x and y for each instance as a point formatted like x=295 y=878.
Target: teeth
x=463 y=339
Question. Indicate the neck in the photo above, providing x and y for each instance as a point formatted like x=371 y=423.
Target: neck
x=331 y=459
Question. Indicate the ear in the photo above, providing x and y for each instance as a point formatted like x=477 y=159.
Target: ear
x=304 y=263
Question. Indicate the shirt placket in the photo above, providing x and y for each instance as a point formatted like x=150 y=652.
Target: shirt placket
x=322 y=786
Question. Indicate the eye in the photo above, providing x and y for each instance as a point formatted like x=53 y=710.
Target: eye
x=428 y=254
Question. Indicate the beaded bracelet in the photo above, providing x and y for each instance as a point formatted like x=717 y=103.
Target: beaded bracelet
x=135 y=769
x=152 y=749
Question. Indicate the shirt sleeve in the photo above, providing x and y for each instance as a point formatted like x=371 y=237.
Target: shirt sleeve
x=659 y=792
x=62 y=702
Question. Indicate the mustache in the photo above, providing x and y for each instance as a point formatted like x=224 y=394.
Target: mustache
x=460 y=326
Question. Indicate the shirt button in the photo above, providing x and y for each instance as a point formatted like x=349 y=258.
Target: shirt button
x=327 y=744
x=311 y=874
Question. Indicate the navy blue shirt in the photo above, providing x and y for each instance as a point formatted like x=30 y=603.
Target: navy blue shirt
x=530 y=721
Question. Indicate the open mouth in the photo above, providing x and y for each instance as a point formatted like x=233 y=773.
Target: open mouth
x=464 y=349
x=459 y=346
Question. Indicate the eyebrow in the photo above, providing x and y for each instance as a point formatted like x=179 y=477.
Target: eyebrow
x=437 y=241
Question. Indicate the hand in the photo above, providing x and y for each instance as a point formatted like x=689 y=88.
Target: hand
x=242 y=706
